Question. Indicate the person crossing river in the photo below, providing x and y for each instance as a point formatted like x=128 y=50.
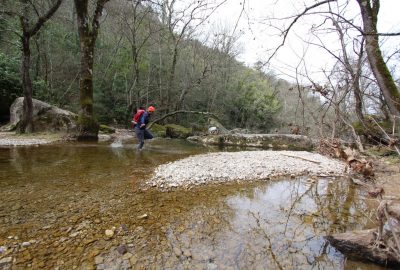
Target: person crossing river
x=140 y=127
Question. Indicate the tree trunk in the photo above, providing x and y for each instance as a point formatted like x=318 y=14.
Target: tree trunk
x=378 y=66
x=26 y=124
x=88 y=126
x=29 y=31
x=171 y=77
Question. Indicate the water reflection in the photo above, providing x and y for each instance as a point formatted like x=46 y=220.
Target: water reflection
x=66 y=196
x=278 y=225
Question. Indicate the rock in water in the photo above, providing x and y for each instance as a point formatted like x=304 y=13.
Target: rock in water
x=122 y=249
x=360 y=245
x=109 y=233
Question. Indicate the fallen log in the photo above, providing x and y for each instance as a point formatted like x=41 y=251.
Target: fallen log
x=361 y=245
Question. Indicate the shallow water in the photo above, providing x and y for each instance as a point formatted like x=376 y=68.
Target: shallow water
x=62 y=198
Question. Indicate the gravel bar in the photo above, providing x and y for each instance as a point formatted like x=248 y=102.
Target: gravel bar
x=23 y=142
x=242 y=166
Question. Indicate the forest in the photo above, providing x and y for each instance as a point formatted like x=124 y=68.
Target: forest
x=105 y=58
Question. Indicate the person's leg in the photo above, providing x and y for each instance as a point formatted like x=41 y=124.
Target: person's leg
x=148 y=135
x=140 y=136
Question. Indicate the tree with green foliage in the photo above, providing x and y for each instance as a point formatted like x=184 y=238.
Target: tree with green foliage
x=29 y=30
x=10 y=84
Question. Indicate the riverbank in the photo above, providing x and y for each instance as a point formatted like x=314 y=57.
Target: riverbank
x=10 y=138
x=14 y=139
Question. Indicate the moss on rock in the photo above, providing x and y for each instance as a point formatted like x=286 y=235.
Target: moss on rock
x=88 y=128
x=106 y=129
x=265 y=141
x=177 y=131
x=158 y=130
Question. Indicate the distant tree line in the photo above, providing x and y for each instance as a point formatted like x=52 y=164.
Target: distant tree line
x=103 y=59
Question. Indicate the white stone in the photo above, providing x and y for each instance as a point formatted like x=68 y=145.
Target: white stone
x=109 y=233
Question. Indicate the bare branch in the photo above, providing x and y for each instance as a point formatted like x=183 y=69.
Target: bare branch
x=180 y=112
x=287 y=30
x=97 y=13
x=45 y=18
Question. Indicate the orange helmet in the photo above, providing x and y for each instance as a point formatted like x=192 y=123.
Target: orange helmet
x=151 y=109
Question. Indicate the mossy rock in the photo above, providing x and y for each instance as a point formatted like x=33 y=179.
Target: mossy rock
x=177 y=131
x=264 y=141
x=104 y=129
x=370 y=128
x=372 y=133
x=383 y=151
x=88 y=128
x=158 y=130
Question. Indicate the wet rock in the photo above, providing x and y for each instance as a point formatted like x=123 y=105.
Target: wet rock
x=122 y=249
x=177 y=251
x=127 y=256
x=123 y=228
x=100 y=266
x=109 y=233
x=98 y=260
x=133 y=260
x=74 y=234
x=143 y=216
x=187 y=253
x=5 y=261
x=25 y=244
x=87 y=266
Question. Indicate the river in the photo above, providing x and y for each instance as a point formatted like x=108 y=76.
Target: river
x=57 y=201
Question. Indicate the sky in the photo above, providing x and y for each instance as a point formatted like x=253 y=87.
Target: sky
x=258 y=39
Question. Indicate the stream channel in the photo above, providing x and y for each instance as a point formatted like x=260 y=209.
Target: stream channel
x=58 y=200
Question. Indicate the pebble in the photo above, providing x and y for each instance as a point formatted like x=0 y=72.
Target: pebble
x=5 y=261
x=177 y=251
x=98 y=260
x=25 y=244
x=187 y=253
x=75 y=234
x=143 y=216
x=133 y=260
x=127 y=256
x=122 y=249
x=109 y=233
x=2 y=249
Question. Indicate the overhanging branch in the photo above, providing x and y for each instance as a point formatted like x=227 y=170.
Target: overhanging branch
x=180 y=112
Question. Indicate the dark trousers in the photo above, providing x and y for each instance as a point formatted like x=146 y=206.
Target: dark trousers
x=141 y=135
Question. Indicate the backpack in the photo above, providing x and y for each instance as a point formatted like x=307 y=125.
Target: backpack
x=137 y=116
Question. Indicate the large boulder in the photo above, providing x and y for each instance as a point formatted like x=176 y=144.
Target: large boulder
x=265 y=141
x=46 y=117
x=177 y=131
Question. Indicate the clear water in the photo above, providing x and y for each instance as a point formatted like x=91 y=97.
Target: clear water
x=63 y=197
